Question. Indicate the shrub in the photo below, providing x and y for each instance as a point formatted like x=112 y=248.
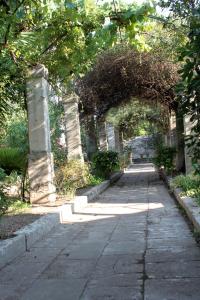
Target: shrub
x=4 y=203
x=2 y=174
x=104 y=163
x=12 y=159
x=165 y=157
x=71 y=176
x=190 y=185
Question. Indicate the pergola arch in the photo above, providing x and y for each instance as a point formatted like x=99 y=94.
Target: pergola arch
x=122 y=74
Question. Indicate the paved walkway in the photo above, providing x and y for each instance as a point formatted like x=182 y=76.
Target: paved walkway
x=132 y=243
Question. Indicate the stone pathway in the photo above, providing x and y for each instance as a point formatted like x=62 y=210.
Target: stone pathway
x=131 y=244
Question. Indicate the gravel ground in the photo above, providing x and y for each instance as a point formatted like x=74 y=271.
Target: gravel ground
x=13 y=221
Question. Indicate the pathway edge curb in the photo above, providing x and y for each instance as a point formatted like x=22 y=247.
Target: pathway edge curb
x=187 y=203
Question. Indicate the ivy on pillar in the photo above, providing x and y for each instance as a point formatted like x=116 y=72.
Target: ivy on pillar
x=72 y=127
x=40 y=167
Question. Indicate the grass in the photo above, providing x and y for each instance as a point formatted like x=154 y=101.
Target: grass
x=15 y=206
x=190 y=185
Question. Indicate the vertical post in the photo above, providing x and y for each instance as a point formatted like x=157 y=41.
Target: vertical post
x=72 y=127
x=110 y=136
x=180 y=143
x=187 y=131
x=40 y=167
x=103 y=143
x=91 y=136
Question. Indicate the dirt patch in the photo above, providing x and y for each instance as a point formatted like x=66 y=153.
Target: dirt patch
x=13 y=221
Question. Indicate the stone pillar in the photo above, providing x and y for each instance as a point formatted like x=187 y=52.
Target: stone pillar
x=121 y=142
x=115 y=138
x=187 y=131
x=180 y=143
x=173 y=129
x=91 y=136
x=103 y=143
x=110 y=136
x=40 y=167
x=72 y=127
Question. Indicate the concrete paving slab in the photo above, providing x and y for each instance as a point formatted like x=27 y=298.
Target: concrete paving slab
x=175 y=269
x=55 y=289
x=124 y=248
x=172 y=255
x=117 y=280
x=66 y=268
x=114 y=293
x=172 y=289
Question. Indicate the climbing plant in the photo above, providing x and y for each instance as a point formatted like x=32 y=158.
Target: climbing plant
x=65 y=36
x=123 y=73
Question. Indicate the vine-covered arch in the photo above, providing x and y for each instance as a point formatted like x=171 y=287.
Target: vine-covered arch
x=122 y=74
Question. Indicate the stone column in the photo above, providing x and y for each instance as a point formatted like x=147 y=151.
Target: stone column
x=103 y=143
x=121 y=142
x=72 y=127
x=180 y=143
x=40 y=167
x=187 y=131
x=110 y=136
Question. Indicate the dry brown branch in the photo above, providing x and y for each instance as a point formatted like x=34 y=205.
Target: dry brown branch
x=122 y=74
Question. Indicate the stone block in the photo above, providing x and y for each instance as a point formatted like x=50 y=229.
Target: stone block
x=41 y=175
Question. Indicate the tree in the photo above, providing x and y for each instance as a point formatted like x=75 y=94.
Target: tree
x=188 y=89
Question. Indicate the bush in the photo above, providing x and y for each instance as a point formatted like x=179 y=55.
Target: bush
x=2 y=174
x=104 y=163
x=190 y=185
x=71 y=176
x=12 y=159
x=165 y=158
x=4 y=203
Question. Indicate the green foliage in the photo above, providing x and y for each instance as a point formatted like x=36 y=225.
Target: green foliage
x=4 y=202
x=2 y=174
x=56 y=115
x=137 y=119
x=94 y=180
x=188 y=89
x=104 y=163
x=165 y=157
x=189 y=184
x=64 y=36
x=12 y=159
x=72 y=175
x=15 y=131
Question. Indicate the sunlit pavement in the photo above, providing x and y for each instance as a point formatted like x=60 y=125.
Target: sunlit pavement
x=131 y=243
